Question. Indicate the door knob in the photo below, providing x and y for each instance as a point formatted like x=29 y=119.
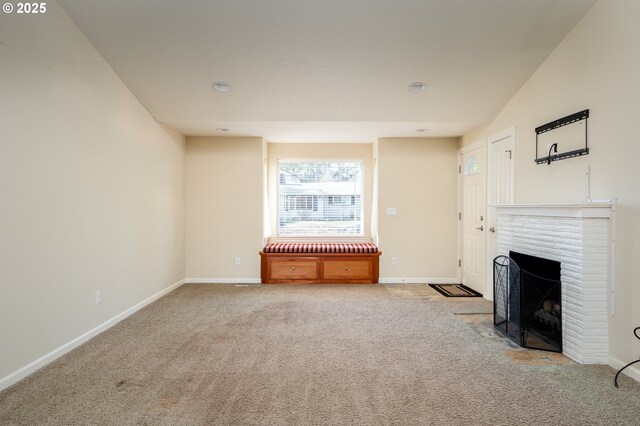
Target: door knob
x=492 y=229
x=480 y=228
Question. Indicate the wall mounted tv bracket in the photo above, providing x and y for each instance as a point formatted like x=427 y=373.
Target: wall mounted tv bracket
x=564 y=121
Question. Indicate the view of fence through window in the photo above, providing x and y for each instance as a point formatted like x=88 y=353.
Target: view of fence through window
x=319 y=198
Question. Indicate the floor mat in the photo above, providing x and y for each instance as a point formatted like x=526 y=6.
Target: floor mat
x=455 y=290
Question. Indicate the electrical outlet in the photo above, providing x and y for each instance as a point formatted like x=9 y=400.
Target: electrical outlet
x=98 y=297
x=394 y=260
x=237 y=260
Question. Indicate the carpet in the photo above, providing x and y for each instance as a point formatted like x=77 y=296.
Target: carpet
x=309 y=354
x=455 y=290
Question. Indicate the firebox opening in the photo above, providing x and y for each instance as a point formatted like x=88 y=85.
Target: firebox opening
x=527 y=300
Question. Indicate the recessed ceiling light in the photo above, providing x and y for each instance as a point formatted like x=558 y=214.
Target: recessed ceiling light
x=422 y=130
x=222 y=129
x=416 y=87
x=221 y=86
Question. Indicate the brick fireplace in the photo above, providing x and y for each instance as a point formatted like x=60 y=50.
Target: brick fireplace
x=577 y=236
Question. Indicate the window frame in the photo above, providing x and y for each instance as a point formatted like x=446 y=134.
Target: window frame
x=361 y=237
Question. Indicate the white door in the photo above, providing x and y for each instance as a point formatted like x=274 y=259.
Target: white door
x=500 y=190
x=472 y=218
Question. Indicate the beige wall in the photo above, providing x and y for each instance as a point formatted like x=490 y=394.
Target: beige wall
x=92 y=191
x=596 y=67
x=223 y=208
x=336 y=151
x=417 y=176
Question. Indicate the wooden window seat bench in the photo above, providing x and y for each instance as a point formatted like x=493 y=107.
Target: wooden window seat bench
x=322 y=263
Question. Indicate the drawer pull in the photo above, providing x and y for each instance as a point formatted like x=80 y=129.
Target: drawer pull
x=346 y=268
x=293 y=268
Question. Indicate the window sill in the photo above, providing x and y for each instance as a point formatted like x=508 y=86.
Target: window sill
x=324 y=239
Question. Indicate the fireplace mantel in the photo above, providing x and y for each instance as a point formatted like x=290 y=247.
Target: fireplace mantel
x=589 y=210
x=577 y=236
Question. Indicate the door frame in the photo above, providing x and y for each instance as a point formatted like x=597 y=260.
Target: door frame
x=481 y=143
x=497 y=137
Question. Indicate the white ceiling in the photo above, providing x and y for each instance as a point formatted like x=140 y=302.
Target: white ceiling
x=325 y=71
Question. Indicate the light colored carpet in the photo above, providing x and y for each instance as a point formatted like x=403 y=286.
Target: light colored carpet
x=220 y=354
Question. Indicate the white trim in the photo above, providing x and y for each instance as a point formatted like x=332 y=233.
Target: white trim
x=458 y=218
x=320 y=239
x=612 y=258
x=374 y=220
x=222 y=281
x=28 y=369
x=468 y=148
x=594 y=210
x=489 y=210
x=496 y=137
x=633 y=371
x=266 y=213
x=417 y=280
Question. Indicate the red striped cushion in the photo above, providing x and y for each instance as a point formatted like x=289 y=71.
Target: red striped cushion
x=320 y=248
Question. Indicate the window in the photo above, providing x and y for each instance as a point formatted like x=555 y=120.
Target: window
x=471 y=167
x=319 y=198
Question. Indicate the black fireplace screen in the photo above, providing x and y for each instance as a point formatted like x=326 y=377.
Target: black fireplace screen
x=527 y=301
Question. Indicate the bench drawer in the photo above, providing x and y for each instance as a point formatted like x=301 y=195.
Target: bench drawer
x=294 y=268
x=347 y=268
x=319 y=268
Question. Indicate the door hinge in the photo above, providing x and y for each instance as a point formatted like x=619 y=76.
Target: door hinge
x=459 y=169
x=459 y=216
x=459 y=262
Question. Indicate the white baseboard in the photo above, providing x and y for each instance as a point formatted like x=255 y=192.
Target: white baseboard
x=414 y=280
x=633 y=371
x=57 y=353
x=222 y=281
